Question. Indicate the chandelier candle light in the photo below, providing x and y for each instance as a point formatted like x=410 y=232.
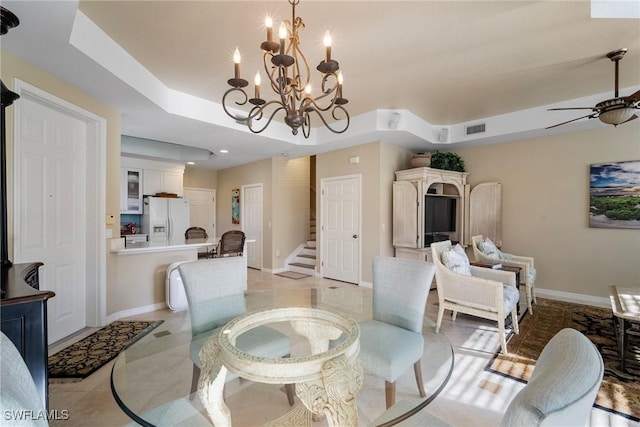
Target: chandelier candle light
x=290 y=78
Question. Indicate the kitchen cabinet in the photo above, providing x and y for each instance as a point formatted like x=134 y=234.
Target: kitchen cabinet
x=141 y=177
x=162 y=180
x=431 y=205
x=131 y=191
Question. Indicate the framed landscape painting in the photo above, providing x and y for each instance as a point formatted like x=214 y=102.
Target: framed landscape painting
x=615 y=195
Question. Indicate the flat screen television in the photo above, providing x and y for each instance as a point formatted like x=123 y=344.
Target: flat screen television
x=439 y=214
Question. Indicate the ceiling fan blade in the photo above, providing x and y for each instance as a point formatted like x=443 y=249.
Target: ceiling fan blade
x=635 y=96
x=573 y=120
x=571 y=108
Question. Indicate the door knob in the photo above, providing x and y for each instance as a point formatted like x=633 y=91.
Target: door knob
x=355 y=236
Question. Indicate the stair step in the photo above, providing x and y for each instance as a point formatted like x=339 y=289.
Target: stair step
x=307 y=256
x=303 y=265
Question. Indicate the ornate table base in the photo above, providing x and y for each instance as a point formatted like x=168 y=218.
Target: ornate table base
x=326 y=381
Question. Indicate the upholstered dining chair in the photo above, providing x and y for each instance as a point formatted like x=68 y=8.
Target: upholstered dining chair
x=484 y=250
x=19 y=393
x=392 y=340
x=563 y=386
x=199 y=233
x=215 y=293
x=231 y=244
x=482 y=292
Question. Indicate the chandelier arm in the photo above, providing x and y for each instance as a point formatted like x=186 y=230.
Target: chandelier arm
x=307 y=69
x=261 y=108
x=224 y=102
x=306 y=125
x=313 y=103
x=333 y=114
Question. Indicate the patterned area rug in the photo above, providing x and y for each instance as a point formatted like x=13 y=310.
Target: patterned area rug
x=619 y=392
x=83 y=358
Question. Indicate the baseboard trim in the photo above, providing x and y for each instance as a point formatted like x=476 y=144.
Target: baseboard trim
x=134 y=311
x=572 y=297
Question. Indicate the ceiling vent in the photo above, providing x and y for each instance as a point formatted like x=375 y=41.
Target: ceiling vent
x=473 y=129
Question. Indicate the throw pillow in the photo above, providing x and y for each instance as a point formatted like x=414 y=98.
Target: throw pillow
x=456 y=260
x=490 y=249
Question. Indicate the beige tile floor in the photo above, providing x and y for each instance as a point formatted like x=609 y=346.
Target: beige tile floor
x=472 y=397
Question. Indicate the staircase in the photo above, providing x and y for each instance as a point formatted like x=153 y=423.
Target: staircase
x=305 y=260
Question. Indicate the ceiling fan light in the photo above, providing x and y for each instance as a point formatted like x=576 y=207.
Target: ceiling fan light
x=617 y=116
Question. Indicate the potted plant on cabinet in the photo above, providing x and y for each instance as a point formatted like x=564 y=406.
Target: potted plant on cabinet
x=447 y=161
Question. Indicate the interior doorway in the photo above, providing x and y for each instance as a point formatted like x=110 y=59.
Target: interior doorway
x=59 y=205
x=203 y=209
x=251 y=222
x=340 y=245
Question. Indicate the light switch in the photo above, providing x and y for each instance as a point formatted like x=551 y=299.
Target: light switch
x=354 y=160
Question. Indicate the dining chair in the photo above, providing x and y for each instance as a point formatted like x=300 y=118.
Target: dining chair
x=231 y=244
x=19 y=394
x=392 y=340
x=195 y=233
x=484 y=250
x=199 y=233
x=476 y=291
x=563 y=386
x=215 y=294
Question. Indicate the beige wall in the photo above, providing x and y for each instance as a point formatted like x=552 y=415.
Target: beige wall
x=291 y=187
x=286 y=204
x=200 y=178
x=377 y=162
x=14 y=67
x=545 y=202
x=259 y=172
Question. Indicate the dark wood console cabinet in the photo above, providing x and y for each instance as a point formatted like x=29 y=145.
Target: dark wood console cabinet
x=23 y=318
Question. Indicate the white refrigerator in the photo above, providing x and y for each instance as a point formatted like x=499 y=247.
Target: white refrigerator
x=165 y=219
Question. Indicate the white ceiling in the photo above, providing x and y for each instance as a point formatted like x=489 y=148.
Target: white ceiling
x=440 y=64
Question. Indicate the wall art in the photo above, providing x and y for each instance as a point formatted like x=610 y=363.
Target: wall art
x=235 y=206
x=615 y=195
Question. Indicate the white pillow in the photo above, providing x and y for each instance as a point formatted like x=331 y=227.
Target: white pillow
x=490 y=249
x=456 y=260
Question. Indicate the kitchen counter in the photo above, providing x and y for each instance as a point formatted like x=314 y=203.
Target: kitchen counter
x=150 y=247
x=141 y=271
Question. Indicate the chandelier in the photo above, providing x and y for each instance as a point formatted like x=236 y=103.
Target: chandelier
x=289 y=76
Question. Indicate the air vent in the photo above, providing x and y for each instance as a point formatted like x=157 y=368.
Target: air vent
x=473 y=129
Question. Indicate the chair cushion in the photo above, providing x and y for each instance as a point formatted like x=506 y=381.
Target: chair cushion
x=386 y=350
x=510 y=296
x=456 y=260
x=260 y=341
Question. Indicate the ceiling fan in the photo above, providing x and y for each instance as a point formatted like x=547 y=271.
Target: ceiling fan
x=614 y=111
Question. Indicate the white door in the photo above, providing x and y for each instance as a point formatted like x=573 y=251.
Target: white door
x=251 y=222
x=340 y=228
x=51 y=210
x=203 y=209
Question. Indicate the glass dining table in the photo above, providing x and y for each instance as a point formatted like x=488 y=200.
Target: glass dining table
x=151 y=379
